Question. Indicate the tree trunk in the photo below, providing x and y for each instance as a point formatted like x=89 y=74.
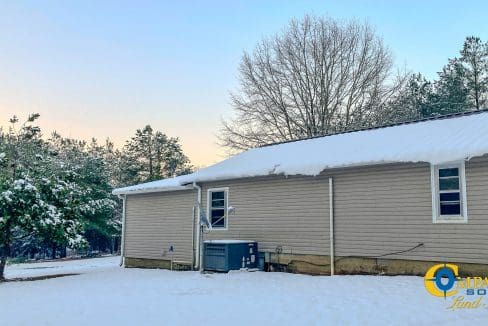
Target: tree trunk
x=5 y=249
x=54 y=250
x=3 y=262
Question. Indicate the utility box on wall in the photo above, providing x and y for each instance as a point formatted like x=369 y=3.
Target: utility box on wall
x=226 y=255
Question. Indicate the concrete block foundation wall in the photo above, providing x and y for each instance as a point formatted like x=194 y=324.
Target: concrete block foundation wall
x=320 y=265
x=155 y=263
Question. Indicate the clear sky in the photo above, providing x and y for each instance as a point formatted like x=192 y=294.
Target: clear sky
x=104 y=69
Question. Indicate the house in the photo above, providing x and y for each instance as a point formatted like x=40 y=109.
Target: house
x=392 y=199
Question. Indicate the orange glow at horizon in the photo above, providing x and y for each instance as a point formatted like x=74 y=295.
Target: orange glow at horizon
x=200 y=147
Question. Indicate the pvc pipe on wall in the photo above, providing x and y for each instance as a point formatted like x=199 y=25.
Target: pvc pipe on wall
x=331 y=224
x=122 y=240
x=199 y=227
x=193 y=230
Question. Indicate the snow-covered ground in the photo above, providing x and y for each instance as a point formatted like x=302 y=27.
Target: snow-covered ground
x=60 y=267
x=105 y=294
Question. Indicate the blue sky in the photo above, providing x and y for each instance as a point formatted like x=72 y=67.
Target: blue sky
x=105 y=68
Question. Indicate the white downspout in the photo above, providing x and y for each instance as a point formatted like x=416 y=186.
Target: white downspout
x=122 y=240
x=331 y=224
x=198 y=228
x=193 y=236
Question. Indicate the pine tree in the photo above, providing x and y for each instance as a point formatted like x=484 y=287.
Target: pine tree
x=451 y=93
x=413 y=102
x=152 y=156
x=474 y=57
x=26 y=207
x=53 y=194
x=461 y=85
x=85 y=171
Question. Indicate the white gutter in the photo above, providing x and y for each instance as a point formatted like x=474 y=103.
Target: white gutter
x=199 y=227
x=331 y=224
x=119 y=192
x=122 y=240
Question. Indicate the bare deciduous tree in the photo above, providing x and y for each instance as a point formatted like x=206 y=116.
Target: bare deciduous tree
x=317 y=77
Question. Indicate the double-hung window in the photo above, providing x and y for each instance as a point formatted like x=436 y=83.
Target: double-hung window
x=449 y=194
x=217 y=207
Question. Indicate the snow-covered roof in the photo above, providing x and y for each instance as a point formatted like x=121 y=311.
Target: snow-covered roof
x=455 y=138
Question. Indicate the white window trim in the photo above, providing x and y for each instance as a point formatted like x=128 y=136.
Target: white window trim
x=434 y=183
x=226 y=208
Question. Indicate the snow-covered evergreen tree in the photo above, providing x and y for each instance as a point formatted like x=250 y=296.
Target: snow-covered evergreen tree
x=151 y=155
x=474 y=57
x=451 y=92
x=53 y=193
x=462 y=85
x=86 y=187
x=413 y=102
x=26 y=209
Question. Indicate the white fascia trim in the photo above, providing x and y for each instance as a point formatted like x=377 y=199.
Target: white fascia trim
x=145 y=191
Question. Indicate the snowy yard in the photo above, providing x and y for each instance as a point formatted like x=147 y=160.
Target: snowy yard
x=106 y=294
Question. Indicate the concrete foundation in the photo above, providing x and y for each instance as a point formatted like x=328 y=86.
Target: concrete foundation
x=320 y=265
x=156 y=263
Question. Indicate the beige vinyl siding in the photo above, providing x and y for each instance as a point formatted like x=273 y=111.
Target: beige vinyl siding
x=388 y=208
x=156 y=220
x=276 y=211
x=378 y=210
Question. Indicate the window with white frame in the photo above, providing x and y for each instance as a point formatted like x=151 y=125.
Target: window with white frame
x=449 y=193
x=217 y=207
